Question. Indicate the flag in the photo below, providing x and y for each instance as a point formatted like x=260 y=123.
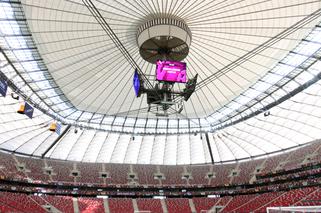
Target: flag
x=3 y=88
x=28 y=110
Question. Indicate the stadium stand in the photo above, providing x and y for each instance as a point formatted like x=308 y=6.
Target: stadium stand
x=204 y=203
x=313 y=199
x=317 y=155
x=120 y=205
x=40 y=200
x=8 y=167
x=298 y=156
x=117 y=174
x=199 y=174
x=86 y=126
x=62 y=203
x=257 y=202
x=237 y=201
x=152 y=205
x=224 y=201
x=4 y=207
x=35 y=169
x=90 y=205
x=61 y=170
x=271 y=163
x=222 y=174
x=145 y=174
x=288 y=198
x=89 y=175
x=173 y=175
x=20 y=202
x=246 y=171
x=176 y=205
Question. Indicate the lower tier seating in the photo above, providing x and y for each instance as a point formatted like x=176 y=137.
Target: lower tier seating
x=19 y=202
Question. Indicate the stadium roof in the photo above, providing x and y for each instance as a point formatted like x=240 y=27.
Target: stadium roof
x=251 y=56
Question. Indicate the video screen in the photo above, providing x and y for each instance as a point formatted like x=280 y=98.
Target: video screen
x=136 y=83
x=171 y=71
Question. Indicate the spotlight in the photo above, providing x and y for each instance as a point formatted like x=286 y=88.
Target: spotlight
x=14 y=96
x=267 y=113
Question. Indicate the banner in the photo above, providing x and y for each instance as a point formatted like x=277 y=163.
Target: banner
x=3 y=88
x=28 y=110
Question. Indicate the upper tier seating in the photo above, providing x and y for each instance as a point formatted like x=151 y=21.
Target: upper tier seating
x=145 y=174
x=35 y=168
x=62 y=170
x=246 y=170
x=222 y=174
x=198 y=173
x=118 y=173
x=90 y=173
x=298 y=156
x=173 y=174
